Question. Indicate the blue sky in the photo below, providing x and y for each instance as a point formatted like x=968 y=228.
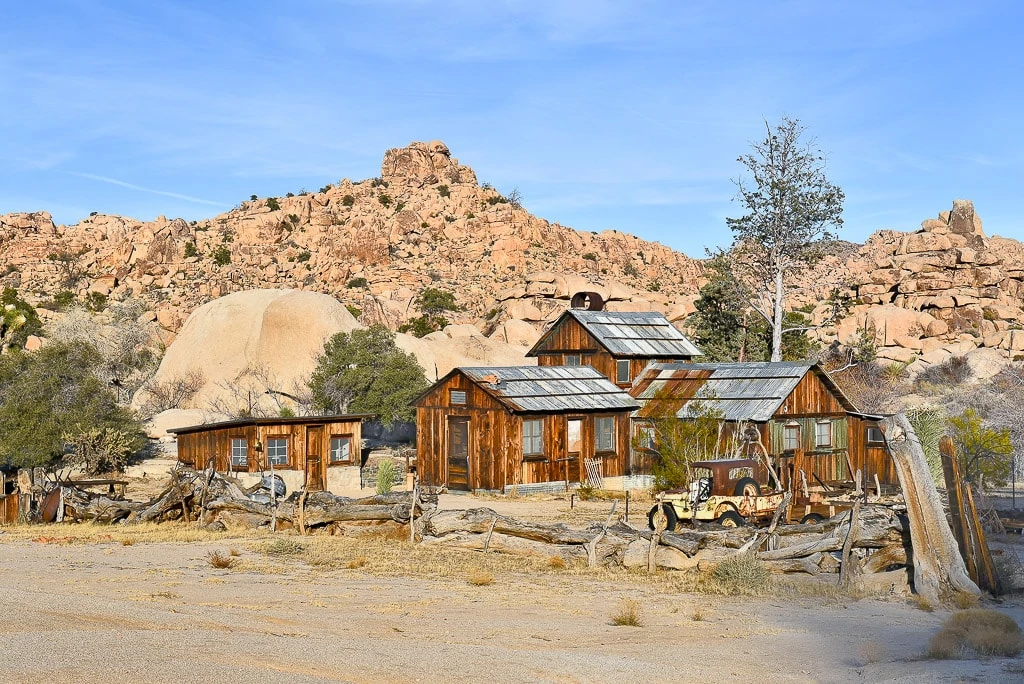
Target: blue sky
x=626 y=115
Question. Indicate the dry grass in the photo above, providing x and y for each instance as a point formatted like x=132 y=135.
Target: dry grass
x=142 y=533
x=356 y=563
x=740 y=575
x=963 y=600
x=128 y=541
x=699 y=615
x=627 y=614
x=977 y=632
x=234 y=552
x=921 y=603
x=557 y=563
x=284 y=546
x=220 y=560
x=479 y=578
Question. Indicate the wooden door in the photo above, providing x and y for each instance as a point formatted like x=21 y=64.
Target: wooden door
x=574 y=450
x=315 y=458
x=458 y=453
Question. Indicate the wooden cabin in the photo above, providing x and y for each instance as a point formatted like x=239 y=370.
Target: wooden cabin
x=619 y=344
x=793 y=409
x=315 y=452
x=494 y=428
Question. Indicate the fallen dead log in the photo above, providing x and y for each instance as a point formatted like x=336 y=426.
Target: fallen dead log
x=480 y=519
x=802 y=550
x=808 y=565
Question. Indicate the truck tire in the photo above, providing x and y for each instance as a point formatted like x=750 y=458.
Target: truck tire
x=731 y=519
x=747 y=485
x=671 y=519
x=812 y=519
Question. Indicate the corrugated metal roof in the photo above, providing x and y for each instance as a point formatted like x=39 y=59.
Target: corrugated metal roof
x=740 y=391
x=551 y=389
x=636 y=333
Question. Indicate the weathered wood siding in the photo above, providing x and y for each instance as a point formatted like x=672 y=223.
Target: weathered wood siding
x=812 y=397
x=496 y=440
x=570 y=337
x=870 y=458
x=198 y=448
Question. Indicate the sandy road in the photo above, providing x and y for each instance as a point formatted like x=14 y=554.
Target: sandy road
x=157 y=612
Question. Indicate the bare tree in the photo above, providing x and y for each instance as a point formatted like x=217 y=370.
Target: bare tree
x=790 y=207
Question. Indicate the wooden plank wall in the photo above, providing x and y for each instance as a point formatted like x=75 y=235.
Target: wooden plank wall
x=199 y=447
x=495 y=440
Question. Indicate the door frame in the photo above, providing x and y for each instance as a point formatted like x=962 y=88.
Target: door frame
x=463 y=420
x=310 y=431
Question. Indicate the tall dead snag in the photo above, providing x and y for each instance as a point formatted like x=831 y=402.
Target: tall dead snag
x=939 y=569
x=970 y=537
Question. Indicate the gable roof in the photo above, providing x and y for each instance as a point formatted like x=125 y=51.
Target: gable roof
x=751 y=391
x=252 y=422
x=629 y=333
x=550 y=389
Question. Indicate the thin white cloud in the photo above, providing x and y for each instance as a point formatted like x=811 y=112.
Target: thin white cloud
x=139 y=188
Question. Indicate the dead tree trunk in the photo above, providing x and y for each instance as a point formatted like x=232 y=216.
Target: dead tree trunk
x=939 y=569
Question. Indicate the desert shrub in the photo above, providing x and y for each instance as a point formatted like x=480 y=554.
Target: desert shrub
x=221 y=560
x=171 y=393
x=273 y=204
x=630 y=270
x=742 y=574
x=424 y=224
x=190 y=250
x=303 y=256
x=284 y=547
x=953 y=371
x=443 y=191
x=977 y=632
x=627 y=614
x=557 y=563
x=674 y=443
x=384 y=199
x=354 y=310
x=479 y=578
x=96 y=301
x=983 y=451
x=357 y=282
x=348 y=200
x=422 y=326
x=399 y=207
x=385 y=476
x=286 y=412
x=929 y=423
x=253 y=197
x=590 y=256
x=221 y=255
x=18 y=319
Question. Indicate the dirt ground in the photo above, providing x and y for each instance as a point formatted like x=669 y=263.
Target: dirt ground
x=97 y=610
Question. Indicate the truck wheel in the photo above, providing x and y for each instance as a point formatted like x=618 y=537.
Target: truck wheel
x=731 y=519
x=671 y=519
x=747 y=487
x=812 y=519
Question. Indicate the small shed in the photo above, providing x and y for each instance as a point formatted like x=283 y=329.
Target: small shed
x=619 y=344
x=315 y=452
x=796 y=408
x=495 y=427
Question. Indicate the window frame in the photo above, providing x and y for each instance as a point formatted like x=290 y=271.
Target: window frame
x=330 y=451
x=619 y=365
x=611 y=434
x=817 y=435
x=231 y=455
x=786 y=431
x=538 y=438
x=646 y=437
x=576 y=360
x=287 y=450
x=868 y=429
x=451 y=397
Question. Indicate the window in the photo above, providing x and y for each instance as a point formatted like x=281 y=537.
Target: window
x=277 y=451
x=533 y=437
x=457 y=397
x=622 y=371
x=571 y=359
x=645 y=437
x=823 y=433
x=791 y=437
x=239 y=453
x=875 y=436
x=341 y=449
x=605 y=428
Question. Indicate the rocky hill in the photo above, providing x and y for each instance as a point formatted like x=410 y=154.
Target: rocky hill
x=373 y=244
x=427 y=221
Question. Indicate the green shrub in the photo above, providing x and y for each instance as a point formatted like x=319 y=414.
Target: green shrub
x=399 y=207
x=385 y=476
x=190 y=250
x=443 y=191
x=253 y=197
x=286 y=412
x=61 y=301
x=590 y=256
x=358 y=282
x=289 y=194
x=424 y=224
x=630 y=270
x=422 y=326
x=96 y=301
x=222 y=255
x=273 y=204
x=354 y=310
x=348 y=200
x=496 y=199
x=384 y=199
x=303 y=256
x=326 y=188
